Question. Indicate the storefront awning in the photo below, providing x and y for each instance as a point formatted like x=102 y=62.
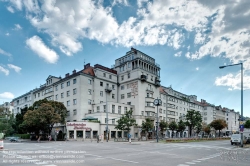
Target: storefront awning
x=90 y=118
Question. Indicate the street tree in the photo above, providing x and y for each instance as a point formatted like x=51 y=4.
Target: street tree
x=172 y=126
x=147 y=126
x=247 y=124
x=218 y=124
x=6 y=121
x=181 y=127
x=163 y=126
x=193 y=119
x=198 y=128
x=126 y=122
x=207 y=129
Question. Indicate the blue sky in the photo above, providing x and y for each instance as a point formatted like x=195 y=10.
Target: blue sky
x=189 y=39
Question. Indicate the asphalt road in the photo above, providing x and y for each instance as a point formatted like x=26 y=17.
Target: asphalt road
x=74 y=153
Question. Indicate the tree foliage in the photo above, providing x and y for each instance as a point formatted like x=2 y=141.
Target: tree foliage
x=147 y=126
x=126 y=122
x=193 y=120
x=218 y=124
x=181 y=126
x=163 y=126
x=6 y=121
x=247 y=124
x=173 y=126
x=43 y=115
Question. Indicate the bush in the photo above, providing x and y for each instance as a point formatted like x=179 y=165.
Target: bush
x=22 y=136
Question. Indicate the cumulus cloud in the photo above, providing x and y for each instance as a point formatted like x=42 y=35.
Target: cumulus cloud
x=178 y=54
x=36 y=44
x=7 y=34
x=16 y=68
x=6 y=95
x=4 y=52
x=10 y=9
x=17 y=27
x=5 y=71
x=197 y=68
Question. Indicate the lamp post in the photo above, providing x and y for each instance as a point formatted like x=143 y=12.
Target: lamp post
x=221 y=67
x=107 y=90
x=157 y=102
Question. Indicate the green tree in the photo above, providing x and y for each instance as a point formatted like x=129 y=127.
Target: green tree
x=126 y=122
x=147 y=126
x=181 y=127
x=207 y=129
x=193 y=119
x=6 y=121
x=163 y=126
x=198 y=128
x=43 y=116
x=218 y=124
x=173 y=126
x=247 y=124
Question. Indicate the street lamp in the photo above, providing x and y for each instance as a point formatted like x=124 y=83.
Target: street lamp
x=107 y=90
x=221 y=67
x=157 y=102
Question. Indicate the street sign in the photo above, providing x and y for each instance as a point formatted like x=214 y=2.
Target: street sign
x=241 y=128
x=241 y=122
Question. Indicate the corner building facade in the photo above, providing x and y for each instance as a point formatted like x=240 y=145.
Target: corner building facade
x=133 y=83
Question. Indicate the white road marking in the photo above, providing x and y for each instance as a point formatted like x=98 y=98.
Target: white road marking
x=196 y=161
x=111 y=158
x=190 y=163
x=182 y=165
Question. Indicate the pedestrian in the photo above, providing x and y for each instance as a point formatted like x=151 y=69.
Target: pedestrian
x=38 y=140
x=129 y=138
x=97 y=137
x=102 y=138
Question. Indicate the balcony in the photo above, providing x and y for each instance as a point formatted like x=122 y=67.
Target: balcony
x=157 y=82
x=143 y=77
x=108 y=89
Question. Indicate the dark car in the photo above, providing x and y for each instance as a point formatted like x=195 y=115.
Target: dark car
x=14 y=139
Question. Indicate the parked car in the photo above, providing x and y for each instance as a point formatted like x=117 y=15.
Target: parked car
x=235 y=139
x=14 y=139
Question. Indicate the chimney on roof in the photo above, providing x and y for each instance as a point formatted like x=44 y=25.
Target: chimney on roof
x=203 y=101
x=74 y=71
x=87 y=66
x=66 y=75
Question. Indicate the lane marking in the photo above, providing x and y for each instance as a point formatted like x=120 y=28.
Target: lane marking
x=190 y=163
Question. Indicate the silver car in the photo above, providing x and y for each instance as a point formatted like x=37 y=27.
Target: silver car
x=235 y=139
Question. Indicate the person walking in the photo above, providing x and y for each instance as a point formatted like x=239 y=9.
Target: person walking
x=129 y=138
x=97 y=138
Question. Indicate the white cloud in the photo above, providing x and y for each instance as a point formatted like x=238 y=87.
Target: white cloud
x=36 y=44
x=178 y=54
x=17 y=27
x=5 y=71
x=17 y=4
x=197 y=68
x=10 y=9
x=233 y=81
x=124 y=2
x=16 y=68
x=4 y=52
x=6 y=95
x=7 y=34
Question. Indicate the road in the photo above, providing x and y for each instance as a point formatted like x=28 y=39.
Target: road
x=111 y=153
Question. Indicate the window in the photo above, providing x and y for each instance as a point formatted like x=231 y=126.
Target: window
x=56 y=88
x=104 y=74
x=125 y=109
x=113 y=96
x=67 y=93
x=122 y=87
x=56 y=97
x=106 y=120
x=101 y=93
x=128 y=75
x=128 y=95
x=38 y=94
x=101 y=101
x=142 y=113
x=113 y=109
x=113 y=121
x=89 y=101
x=74 y=91
x=205 y=113
x=68 y=103
x=107 y=85
x=90 y=111
x=98 y=108
x=61 y=95
x=113 y=87
x=129 y=103
x=119 y=109
x=90 y=82
x=74 y=81
x=101 y=83
x=68 y=83
x=122 y=78
x=74 y=101
x=110 y=76
x=122 y=96
x=62 y=85
x=205 y=118
x=104 y=108
x=89 y=91
x=74 y=112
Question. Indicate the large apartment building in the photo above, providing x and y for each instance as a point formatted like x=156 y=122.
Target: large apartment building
x=133 y=83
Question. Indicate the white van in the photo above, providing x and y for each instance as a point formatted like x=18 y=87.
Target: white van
x=235 y=139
